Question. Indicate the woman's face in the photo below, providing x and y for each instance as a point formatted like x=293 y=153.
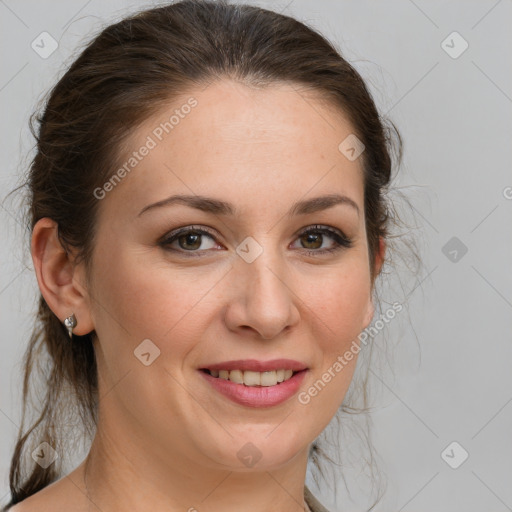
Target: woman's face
x=241 y=281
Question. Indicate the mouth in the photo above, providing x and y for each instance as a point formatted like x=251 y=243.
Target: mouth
x=252 y=383
x=252 y=378
x=255 y=383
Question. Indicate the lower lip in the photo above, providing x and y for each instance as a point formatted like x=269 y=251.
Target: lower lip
x=252 y=396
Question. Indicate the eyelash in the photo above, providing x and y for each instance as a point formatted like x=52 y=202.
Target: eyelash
x=342 y=241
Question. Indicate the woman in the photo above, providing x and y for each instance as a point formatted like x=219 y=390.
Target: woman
x=208 y=219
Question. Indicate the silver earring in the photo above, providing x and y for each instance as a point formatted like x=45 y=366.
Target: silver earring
x=70 y=323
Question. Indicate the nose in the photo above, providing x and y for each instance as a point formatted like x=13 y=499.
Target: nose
x=263 y=300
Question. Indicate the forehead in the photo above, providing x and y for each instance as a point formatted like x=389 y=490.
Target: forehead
x=265 y=145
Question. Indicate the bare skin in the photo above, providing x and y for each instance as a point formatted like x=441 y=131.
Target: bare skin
x=166 y=440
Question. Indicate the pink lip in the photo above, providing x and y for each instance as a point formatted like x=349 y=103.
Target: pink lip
x=258 y=366
x=254 y=396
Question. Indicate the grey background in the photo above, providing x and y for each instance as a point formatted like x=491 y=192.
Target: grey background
x=450 y=378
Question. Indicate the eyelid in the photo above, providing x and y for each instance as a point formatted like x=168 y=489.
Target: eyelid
x=171 y=236
x=186 y=229
x=342 y=241
x=322 y=227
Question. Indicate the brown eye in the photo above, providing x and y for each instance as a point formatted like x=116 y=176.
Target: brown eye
x=313 y=238
x=188 y=240
x=312 y=241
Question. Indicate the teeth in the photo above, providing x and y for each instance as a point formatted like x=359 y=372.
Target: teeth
x=250 y=378
x=236 y=376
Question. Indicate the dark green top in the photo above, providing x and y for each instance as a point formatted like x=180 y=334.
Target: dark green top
x=312 y=502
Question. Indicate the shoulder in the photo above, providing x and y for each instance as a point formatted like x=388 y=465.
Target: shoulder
x=30 y=504
x=20 y=507
x=64 y=495
x=38 y=502
x=26 y=505
x=312 y=502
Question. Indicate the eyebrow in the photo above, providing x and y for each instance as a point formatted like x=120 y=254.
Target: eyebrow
x=218 y=207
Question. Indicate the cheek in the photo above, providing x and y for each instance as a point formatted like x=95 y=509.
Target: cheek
x=340 y=304
x=338 y=312
x=149 y=299
x=141 y=299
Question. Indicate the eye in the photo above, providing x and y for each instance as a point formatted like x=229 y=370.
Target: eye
x=189 y=239
x=314 y=237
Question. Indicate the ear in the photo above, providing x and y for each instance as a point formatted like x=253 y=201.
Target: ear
x=379 y=260
x=60 y=281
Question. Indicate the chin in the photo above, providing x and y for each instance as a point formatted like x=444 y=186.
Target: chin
x=261 y=452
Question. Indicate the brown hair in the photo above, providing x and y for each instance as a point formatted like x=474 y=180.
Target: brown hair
x=123 y=76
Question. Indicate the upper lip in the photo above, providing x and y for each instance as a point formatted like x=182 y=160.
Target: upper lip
x=257 y=366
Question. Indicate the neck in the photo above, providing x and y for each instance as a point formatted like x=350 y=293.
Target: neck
x=130 y=479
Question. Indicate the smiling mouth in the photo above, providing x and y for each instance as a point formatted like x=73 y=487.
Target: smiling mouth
x=251 y=378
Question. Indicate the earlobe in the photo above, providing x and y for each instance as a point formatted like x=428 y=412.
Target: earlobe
x=57 y=276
